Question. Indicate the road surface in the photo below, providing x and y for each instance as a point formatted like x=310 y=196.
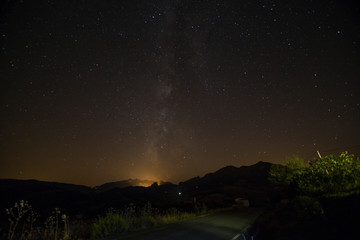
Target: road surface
x=224 y=225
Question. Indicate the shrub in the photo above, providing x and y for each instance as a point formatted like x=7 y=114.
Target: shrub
x=329 y=176
x=282 y=176
x=111 y=223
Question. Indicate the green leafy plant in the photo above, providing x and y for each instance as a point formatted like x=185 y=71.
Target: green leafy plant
x=282 y=175
x=329 y=176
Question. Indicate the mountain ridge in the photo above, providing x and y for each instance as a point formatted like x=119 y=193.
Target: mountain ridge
x=124 y=183
x=130 y=182
x=216 y=189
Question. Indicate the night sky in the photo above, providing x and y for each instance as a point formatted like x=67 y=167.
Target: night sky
x=99 y=91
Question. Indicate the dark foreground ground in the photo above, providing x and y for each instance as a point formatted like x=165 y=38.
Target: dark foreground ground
x=227 y=225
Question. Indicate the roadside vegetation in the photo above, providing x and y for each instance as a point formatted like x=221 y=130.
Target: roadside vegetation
x=26 y=224
x=330 y=176
x=132 y=219
x=320 y=199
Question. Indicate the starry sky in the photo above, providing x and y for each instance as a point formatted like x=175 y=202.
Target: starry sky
x=99 y=91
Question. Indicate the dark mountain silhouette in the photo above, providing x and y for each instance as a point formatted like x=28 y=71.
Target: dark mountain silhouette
x=35 y=185
x=223 y=186
x=44 y=196
x=216 y=189
x=124 y=183
x=232 y=175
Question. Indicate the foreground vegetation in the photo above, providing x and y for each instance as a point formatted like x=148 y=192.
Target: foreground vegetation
x=25 y=222
x=320 y=200
x=330 y=176
x=315 y=200
x=131 y=219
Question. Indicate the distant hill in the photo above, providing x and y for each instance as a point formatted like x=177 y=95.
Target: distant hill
x=10 y=185
x=124 y=183
x=44 y=196
x=226 y=184
x=231 y=175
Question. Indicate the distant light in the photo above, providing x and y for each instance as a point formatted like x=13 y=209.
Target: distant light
x=179 y=193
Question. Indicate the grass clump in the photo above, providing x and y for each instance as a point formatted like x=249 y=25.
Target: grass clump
x=145 y=222
x=173 y=215
x=168 y=218
x=111 y=223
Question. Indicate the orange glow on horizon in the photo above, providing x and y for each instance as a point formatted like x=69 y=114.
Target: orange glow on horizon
x=146 y=183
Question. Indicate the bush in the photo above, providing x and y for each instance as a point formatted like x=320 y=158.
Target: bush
x=111 y=223
x=281 y=175
x=329 y=176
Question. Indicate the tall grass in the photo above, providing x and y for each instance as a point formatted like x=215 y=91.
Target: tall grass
x=111 y=223
x=169 y=218
x=132 y=219
x=25 y=224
